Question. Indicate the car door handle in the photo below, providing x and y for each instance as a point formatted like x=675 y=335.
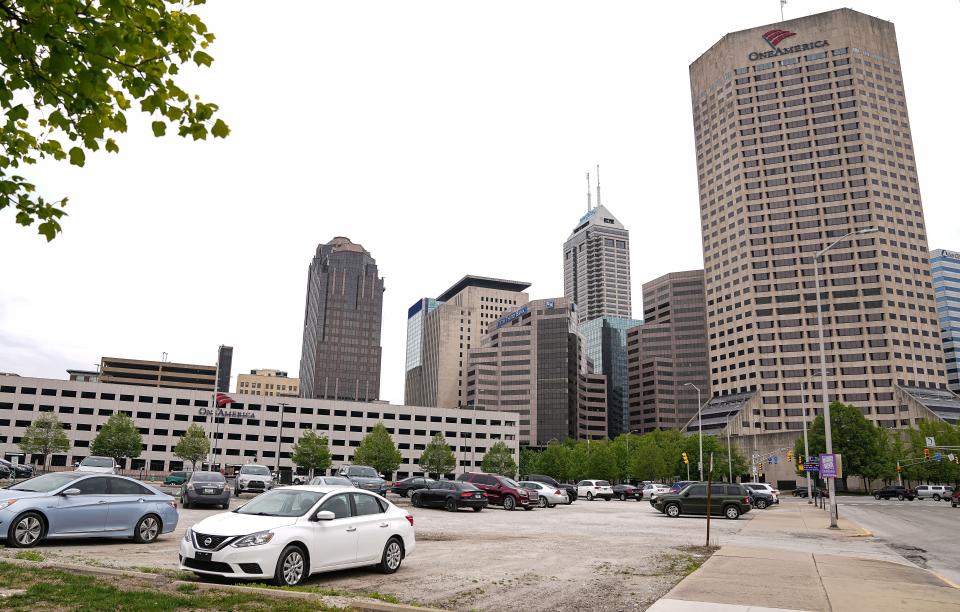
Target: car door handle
x=140 y=500
x=384 y=524
x=102 y=501
x=351 y=529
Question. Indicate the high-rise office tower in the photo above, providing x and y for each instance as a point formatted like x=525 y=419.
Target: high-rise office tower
x=341 y=327
x=802 y=136
x=532 y=362
x=605 y=345
x=668 y=352
x=440 y=332
x=596 y=264
x=946 y=286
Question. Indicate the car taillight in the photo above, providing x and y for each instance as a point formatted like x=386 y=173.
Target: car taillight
x=396 y=484
x=557 y=492
x=410 y=519
x=466 y=494
x=746 y=500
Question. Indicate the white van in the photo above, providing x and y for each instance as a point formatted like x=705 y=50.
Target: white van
x=935 y=492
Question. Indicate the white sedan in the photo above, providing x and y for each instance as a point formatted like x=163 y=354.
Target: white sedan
x=652 y=488
x=289 y=533
x=549 y=496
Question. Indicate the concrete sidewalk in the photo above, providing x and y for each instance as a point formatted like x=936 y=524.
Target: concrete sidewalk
x=769 y=575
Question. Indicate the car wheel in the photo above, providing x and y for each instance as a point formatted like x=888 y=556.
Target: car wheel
x=761 y=504
x=606 y=499
x=551 y=505
x=509 y=503
x=291 y=567
x=26 y=531
x=936 y=497
x=451 y=505
x=589 y=496
x=953 y=504
x=672 y=510
x=623 y=497
x=415 y=500
x=392 y=556
x=528 y=507
x=477 y=509
x=569 y=500
x=731 y=512
x=543 y=502
x=185 y=502
x=876 y=497
x=900 y=497
x=147 y=530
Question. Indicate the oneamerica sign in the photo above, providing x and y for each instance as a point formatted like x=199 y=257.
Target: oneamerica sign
x=777 y=51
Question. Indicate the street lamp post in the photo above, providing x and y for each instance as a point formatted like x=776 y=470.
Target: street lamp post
x=699 y=427
x=828 y=434
x=729 y=457
x=806 y=447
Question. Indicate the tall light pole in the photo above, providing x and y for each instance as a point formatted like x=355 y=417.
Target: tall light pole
x=806 y=447
x=699 y=426
x=729 y=458
x=828 y=434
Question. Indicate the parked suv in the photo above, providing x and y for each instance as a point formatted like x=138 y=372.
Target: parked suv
x=591 y=489
x=729 y=500
x=253 y=477
x=937 y=492
x=364 y=477
x=894 y=491
x=571 y=490
x=502 y=491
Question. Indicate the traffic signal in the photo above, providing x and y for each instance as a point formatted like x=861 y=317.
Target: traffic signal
x=789 y=455
x=899 y=469
x=686 y=461
x=926 y=453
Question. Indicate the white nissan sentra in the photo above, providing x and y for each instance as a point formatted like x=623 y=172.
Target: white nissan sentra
x=286 y=534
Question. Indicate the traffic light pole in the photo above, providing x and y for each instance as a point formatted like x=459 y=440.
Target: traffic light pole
x=899 y=475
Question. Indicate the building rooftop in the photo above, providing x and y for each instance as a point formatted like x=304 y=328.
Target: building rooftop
x=945 y=404
x=484 y=282
x=717 y=412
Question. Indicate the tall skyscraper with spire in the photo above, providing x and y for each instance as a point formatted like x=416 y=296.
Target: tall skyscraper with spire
x=596 y=263
x=341 y=328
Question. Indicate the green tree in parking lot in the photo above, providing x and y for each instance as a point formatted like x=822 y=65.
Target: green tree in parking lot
x=437 y=458
x=378 y=450
x=118 y=438
x=854 y=437
x=193 y=446
x=552 y=461
x=499 y=460
x=44 y=436
x=602 y=461
x=529 y=461
x=312 y=452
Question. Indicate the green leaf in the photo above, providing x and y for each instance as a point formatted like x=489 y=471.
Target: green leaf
x=202 y=59
x=220 y=129
x=159 y=128
x=77 y=156
x=17 y=113
x=111 y=146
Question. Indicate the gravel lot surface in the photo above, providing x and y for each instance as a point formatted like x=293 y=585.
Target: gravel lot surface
x=588 y=555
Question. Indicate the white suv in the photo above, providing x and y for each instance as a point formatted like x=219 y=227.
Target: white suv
x=591 y=489
x=937 y=492
x=762 y=486
x=254 y=478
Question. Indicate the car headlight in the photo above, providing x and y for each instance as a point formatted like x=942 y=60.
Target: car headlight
x=188 y=535
x=254 y=539
x=7 y=503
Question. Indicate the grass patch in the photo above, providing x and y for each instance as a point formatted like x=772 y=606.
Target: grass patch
x=317 y=590
x=29 y=555
x=187 y=588
x=48 y=589
x=687 y=561
x=164 y=571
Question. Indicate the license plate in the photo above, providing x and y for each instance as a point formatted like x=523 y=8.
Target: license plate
x=209 y=491
x=476 y=495
x=202 y=556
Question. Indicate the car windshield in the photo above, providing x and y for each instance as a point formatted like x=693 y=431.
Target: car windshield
x=603 y=483
x=254 y=470
x=331 y=481
x=509 y=482
x=362 y=472
x=208 y=477
x=97 y=462
x=281 y=502
x=47 y=482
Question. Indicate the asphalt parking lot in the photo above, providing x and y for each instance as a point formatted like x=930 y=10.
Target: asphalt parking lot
x=588 y=555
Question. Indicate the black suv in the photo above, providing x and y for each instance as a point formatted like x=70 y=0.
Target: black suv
x=569 y=489
x=729 y=500
x=899 y=492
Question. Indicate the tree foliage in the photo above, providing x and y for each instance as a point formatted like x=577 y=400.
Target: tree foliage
x=193 y=446
x=854 y=437
x=499 y=460
x=44 y=436
x=437 y=458
x=74 y=69
x=312 y=452
x=378 y=451
x=118 y=438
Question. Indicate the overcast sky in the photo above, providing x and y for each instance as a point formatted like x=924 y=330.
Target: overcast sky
x=448 y=138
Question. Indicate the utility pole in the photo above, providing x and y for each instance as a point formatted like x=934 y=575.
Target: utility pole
x=709 y=489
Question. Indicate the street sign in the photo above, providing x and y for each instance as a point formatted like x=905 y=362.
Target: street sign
x=931 y=441
x=828 y=465
x=938 y=456
x=811 y=466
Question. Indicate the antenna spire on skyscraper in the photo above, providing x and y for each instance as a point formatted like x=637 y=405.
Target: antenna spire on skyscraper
x=588 y=192
x=598 y=184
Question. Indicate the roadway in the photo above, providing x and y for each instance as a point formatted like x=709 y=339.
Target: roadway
x=921 y=531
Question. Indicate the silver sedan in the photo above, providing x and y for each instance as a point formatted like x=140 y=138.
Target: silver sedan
x=549 y=496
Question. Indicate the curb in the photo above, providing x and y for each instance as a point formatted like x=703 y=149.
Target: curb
x=355 y=602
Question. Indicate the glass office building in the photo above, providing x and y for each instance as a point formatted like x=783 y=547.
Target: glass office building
x=945 y=266
x=605 y=345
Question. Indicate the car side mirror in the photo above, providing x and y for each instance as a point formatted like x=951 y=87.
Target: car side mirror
x=69 y=492
x=687 y=494
x=380 y=475
x=324 y=515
